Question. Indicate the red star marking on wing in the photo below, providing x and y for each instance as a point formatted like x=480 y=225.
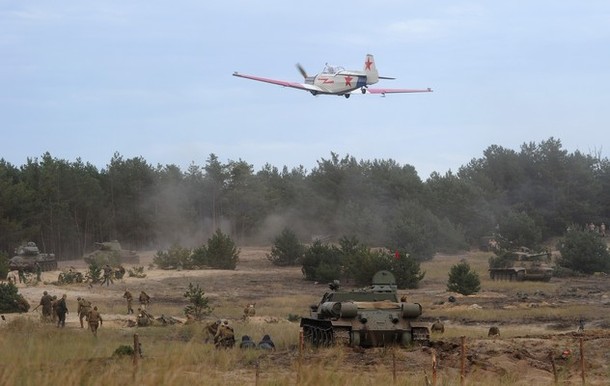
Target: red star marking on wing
x=368 y=63
x=348 y=81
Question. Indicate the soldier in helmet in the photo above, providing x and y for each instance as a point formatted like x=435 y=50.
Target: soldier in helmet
x=144 y=300
x=107 y=275
x=84 y=307
x=129 y=297
x=46 y=301
x=62 y=310
x=95 y=320
x=225 y=336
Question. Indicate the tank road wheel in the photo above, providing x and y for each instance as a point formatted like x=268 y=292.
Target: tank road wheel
x=354 y=337
x=406 y=339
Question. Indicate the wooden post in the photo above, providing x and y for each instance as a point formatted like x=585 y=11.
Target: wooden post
x=463 y=361
x=256 y=374
x=300 y=360
x=552 y=357
x=136 y=354
x=582 y=362
x=394 y=366
x=434 y=367
x=136 y=349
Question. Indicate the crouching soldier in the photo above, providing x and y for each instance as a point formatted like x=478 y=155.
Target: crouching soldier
x=225 y=336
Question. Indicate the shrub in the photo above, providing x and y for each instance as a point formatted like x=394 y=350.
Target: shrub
x=94 y=274
x=3 y=265
x=199 y=307
x=463 y=280
x=11 y=300
x=286 y=249
x=407 y=271
x=175 y=257
x=322 y=262
x=220 y=252
x=137 y=272
x=584 y=252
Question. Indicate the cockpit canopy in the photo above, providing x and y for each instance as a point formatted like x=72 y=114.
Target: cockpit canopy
x=329 y=69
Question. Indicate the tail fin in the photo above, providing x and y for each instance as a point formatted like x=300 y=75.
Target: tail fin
x=372 y=76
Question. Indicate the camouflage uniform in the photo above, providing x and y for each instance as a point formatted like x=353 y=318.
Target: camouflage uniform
x=144 y=300
x=129 y=297
x=225 y=336
x=95 y=320
x=107 y=275
x=84 y=307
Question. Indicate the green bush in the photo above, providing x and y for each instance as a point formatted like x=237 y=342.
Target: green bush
x=584 y=251
x=286 y=249
x=463 y=280
x=3 y=265
x=322 y=262
x=220 y=252
x=175 y=257
x=406 y=270
x=199 y=303
x=11 y=300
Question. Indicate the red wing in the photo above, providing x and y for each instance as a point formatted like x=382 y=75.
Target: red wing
x=301 y=86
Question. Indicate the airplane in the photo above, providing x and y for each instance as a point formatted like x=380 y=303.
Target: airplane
x=336 y=80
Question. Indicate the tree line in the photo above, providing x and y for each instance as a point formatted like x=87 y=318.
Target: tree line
x=528 y=195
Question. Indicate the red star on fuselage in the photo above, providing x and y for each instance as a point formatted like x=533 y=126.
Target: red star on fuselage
x=368 y=63
x=348 y=81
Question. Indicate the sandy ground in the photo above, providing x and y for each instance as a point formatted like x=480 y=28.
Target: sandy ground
x=256 y=280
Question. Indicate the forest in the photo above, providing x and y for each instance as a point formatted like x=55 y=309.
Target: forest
x=527 y=196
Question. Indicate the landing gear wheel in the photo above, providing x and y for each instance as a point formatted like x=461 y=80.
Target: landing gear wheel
x=347 y=96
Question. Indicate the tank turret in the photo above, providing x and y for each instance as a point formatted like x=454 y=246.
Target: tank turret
x=28 y=255
x=368 y=317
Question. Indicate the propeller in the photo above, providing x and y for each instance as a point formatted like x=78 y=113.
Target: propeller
x=301 y=70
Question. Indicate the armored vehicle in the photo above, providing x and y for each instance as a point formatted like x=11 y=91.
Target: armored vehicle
x=521 y=265
x=369 y=317
x=28 y=254
x=110 y=252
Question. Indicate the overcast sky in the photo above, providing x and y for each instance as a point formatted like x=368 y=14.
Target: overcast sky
x=153 y=79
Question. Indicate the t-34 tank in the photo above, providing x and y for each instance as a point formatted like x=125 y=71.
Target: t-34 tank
x=369 y=317
x=520 y=265
x=28 y=254
x=110 y=252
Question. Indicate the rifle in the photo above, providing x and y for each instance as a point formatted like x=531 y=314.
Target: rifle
x=36 y=308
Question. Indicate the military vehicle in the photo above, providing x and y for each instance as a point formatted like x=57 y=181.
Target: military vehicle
x=26 y=257
x=369 y=317
x=521 y=265
x=110 y=252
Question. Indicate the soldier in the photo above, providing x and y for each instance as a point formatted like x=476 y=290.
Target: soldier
x=107 y=275
x=62 y=310
x=38 y=269
x=95 y=320
x=144 y=319
x=246 y=342
x=225 y=336
x=21 y=276
x=144 y=300
x=46 y=301
x=581 y=326
x=84 y=307
x=493 y=331
x=249 y=310
x=438 y=326
x=266 y=343
x=120 y=272
x=211 y=329
x=129 y=297
x=54 y=303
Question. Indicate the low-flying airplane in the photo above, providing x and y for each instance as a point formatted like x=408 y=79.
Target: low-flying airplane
x=336 y=80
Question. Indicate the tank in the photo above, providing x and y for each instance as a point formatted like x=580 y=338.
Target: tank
x=521 y=265
x=110 y=252
x=28 y=254
x=369 y=317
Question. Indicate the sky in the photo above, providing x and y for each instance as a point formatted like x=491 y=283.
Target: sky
x=88 y=79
